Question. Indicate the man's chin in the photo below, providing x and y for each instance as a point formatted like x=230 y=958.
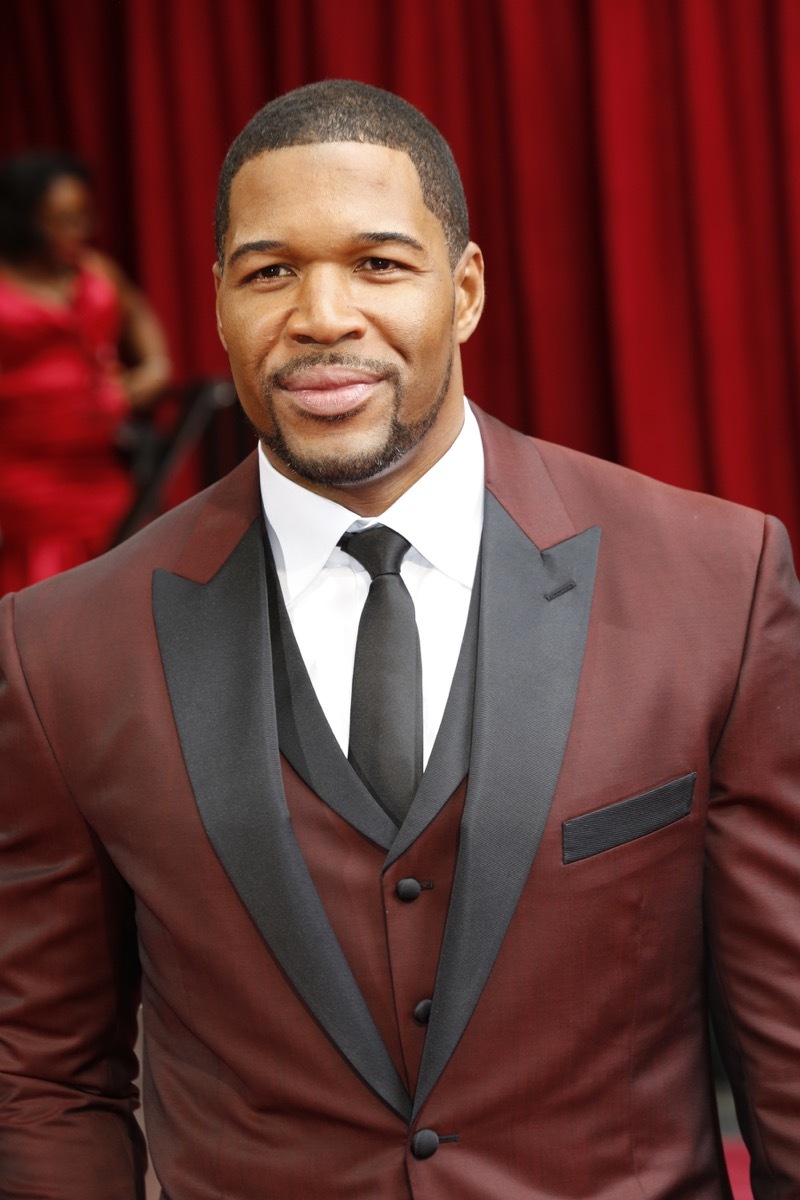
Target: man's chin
x=332 y=471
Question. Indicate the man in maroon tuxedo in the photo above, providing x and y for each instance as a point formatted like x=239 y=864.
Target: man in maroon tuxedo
x=503 y=989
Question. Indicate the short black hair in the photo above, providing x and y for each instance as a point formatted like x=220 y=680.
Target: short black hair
x=343 y=110
x=24 y=179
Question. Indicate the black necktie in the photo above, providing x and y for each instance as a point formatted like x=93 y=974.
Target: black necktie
x=386 y=708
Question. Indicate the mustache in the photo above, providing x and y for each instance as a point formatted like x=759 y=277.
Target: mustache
x=325 y=358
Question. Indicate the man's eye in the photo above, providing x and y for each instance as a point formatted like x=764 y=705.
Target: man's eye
x=273 y=271
x=380 y=264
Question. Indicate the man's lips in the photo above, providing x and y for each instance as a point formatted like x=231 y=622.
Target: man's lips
x=329 y=391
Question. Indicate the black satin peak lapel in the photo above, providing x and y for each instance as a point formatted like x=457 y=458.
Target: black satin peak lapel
x=533 y=623
x=215 y=648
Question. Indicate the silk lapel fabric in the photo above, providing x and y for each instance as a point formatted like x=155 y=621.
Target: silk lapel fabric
x=534 y=620
x=215 y=648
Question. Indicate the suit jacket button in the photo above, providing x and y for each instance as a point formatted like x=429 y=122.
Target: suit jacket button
x=424 y=1143
x=408 y=889
x=422 y=1012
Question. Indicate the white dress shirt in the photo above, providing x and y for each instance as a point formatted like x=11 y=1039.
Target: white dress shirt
x=324 y=589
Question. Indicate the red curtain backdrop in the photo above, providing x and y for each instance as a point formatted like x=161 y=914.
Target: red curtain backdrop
x=632 y=167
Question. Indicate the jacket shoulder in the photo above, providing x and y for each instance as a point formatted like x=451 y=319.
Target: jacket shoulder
x=594 y=488
x=665 y=527
x=618 y=494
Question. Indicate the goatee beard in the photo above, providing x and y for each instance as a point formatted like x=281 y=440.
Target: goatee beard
x=401 y=437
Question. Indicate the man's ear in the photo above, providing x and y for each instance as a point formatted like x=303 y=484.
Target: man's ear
x=468 y=280
x=217 y=273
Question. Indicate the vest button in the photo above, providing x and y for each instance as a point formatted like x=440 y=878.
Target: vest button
x=408 y=890
x=425 y=1143
x=422 y=1012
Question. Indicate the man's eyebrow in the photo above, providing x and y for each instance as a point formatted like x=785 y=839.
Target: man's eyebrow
x=380 y=237
x=258 y=247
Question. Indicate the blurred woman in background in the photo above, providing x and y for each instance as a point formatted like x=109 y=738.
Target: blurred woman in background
x=80 y=350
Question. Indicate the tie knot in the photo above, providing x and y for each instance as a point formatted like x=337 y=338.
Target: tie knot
x=378 y=548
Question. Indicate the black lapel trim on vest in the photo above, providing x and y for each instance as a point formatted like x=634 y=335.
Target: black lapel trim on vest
x=215 y=648
x=306 y=739
x=534 y=618
x=307 y=742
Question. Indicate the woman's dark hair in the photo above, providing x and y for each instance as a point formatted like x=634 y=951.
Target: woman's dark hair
x=24 y=179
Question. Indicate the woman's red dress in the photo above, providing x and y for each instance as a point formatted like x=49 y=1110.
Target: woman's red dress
x=63 y=485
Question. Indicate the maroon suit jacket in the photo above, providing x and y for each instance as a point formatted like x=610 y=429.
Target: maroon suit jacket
x=623 y=856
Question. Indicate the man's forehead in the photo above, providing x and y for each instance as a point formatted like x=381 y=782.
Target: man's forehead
x=358 y=158
x=366 y=186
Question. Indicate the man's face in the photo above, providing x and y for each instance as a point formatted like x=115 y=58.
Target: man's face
x=342 y=318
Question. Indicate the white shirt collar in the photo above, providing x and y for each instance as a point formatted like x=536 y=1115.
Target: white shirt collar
x=441 y=515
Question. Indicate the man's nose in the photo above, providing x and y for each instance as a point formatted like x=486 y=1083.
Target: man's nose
x=324 y=311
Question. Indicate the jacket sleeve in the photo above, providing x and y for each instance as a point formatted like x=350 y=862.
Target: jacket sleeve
x=752 y=879
x=68 y=977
